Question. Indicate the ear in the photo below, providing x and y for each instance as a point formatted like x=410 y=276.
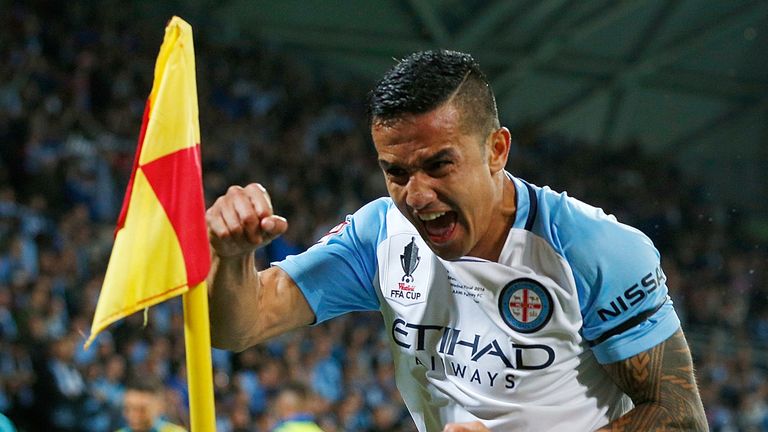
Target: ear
x=498 y=150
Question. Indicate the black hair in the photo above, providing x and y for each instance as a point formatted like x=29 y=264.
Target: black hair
x=297 y=388
x=145 y=384
x=425 y=80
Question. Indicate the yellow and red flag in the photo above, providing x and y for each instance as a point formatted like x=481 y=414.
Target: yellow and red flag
x=161 y=241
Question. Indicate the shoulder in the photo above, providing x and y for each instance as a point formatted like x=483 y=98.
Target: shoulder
x=570 y=217
x=375 y=210
x=367 y=225
x=605 y=256
x=588 y=236
x=372 y=217
x=337 y=274
x=298 y=426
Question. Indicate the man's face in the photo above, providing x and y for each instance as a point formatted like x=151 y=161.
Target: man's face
x=140 y=409
x=439 y=176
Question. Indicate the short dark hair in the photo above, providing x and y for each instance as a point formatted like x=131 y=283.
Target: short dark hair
x=425 y=80
x=145 y=384
x=298 y=388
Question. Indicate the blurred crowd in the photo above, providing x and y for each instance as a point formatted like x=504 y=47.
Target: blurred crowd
x=73 y=83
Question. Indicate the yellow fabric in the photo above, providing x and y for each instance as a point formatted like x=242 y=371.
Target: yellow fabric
x=147 y=266
x=173 y=121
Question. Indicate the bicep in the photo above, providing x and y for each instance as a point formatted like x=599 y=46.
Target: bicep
x=661 y=382
x=281 y=304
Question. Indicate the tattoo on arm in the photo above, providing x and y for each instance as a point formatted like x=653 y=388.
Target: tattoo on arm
x=661 y=383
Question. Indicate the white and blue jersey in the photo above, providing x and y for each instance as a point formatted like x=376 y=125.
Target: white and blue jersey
x=516 y=344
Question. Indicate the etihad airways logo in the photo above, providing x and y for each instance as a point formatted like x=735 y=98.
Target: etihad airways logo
x=454 y=342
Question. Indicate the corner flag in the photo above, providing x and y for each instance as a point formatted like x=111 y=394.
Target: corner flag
x=161 y=241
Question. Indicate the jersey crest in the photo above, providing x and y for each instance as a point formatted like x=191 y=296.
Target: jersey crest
x=525 y=305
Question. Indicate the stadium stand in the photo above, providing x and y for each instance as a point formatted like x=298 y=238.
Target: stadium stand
x=72 y=94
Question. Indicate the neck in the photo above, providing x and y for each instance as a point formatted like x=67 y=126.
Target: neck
x=502 y=217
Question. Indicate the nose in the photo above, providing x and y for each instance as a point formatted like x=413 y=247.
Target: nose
x=419 y=193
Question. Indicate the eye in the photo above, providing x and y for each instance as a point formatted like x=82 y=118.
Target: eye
x=396 y=174
x=438 y=166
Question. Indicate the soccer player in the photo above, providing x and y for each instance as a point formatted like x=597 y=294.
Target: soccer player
x=508 y=306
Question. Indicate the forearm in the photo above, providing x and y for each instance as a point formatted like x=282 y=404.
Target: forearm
x=248 y=306
x=234 y=288
x=661 y=383
x=650 y=417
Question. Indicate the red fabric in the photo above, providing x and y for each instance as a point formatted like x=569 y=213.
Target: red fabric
x=176 y=179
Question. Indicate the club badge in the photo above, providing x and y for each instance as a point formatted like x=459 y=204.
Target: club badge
x=525 y=305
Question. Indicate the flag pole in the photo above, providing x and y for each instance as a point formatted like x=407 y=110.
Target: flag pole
x=197 y=338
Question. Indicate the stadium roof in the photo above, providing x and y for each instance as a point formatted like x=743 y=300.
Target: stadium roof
x=686 y=78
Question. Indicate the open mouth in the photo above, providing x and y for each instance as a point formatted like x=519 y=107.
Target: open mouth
x=439 y=226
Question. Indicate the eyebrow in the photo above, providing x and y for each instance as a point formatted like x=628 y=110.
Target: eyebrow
x=385 y=165
x=442 y=154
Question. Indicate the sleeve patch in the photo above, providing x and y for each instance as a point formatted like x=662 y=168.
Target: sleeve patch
x=335 y=230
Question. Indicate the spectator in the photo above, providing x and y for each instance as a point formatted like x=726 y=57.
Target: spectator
x=143 y=406
x=61 y=389
x=291 y=410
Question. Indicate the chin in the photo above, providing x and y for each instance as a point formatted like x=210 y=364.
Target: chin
x=450 y=257
x=446 y=252
x=449 y=250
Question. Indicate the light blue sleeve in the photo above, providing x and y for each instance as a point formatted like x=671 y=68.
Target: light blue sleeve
x=336 y=275
x=622 y=290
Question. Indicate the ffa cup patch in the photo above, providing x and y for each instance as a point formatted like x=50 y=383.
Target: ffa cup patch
x=525 y=305
x=407 y=281
x=409 y=260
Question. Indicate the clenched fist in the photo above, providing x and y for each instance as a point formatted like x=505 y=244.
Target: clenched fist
x=241 y=221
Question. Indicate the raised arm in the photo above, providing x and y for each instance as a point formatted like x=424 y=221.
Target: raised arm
x=661 y=383
x=248 y=306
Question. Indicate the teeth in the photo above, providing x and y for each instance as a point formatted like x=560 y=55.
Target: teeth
x=430 y=216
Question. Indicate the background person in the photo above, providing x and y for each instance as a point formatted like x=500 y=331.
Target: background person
x=292 y=410
x=144 y=405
